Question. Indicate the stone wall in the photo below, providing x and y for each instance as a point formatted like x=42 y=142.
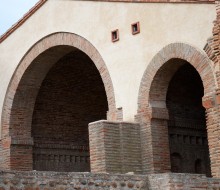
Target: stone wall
x=11 y=180
x=182 y=182
x=63 y=181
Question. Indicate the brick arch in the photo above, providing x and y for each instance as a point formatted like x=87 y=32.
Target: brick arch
x=192 y=55
x=152 y=113
x=29 y=75
x=57 y=39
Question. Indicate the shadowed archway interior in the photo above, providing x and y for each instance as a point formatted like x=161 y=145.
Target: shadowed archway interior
x=187 y=125
x=178 y=125
x=71 y=95
x=59 y=94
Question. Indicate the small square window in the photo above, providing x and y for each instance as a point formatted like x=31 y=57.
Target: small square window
x=115 y=35
x=135 y=28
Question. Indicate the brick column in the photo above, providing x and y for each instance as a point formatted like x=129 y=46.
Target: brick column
x=115 y=147
x=154 y=140
x=21 y=155
x=212 y=105
x=5 y=145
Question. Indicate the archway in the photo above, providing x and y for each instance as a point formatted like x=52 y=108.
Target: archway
x=153 y=111
x=186 y=124
x=60 y=86
x=70 y=97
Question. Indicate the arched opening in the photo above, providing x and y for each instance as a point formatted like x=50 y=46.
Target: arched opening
x=178 y=123
x=153 y=113
x=58 y=96
x=187 y=124
x=70 y=97
x=54 y=93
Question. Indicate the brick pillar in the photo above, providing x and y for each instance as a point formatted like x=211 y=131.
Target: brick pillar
x=146 y=141
x=154 y=140
x=212 y=105
x=21 y=154
x=5 y=145
x=115 y=147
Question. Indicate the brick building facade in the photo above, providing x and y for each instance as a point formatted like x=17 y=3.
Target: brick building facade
x=84 y=97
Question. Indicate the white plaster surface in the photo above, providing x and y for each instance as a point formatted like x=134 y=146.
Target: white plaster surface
x=161 y=24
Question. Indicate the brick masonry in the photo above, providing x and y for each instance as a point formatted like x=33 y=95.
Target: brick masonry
x=212 y=104
x=70 y=97
x=187 y=125
x=115 y=147
x=19 y=105
x=152 y=110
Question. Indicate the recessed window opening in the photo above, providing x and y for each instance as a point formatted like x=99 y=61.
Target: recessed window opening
x=135 y=28
x=115 y=35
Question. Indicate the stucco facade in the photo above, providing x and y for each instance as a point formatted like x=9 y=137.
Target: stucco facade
x=71 y=99
x=161 y=24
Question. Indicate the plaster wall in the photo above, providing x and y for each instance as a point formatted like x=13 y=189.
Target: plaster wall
x=161 y=24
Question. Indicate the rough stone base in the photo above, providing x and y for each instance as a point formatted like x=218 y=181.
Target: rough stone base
x=11 y=180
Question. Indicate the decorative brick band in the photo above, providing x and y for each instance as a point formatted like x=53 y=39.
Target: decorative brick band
x=57 y=39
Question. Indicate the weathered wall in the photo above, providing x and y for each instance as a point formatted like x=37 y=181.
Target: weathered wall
x=82 y=181
x=182 y=182
x=126 y=59
x=64 y=181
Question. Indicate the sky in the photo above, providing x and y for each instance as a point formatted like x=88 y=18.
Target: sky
x=12 y=10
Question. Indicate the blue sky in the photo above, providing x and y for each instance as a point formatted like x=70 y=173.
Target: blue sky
x=12 y=10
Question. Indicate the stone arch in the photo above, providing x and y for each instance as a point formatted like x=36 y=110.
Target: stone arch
x=152 y=110
x=29 y=72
